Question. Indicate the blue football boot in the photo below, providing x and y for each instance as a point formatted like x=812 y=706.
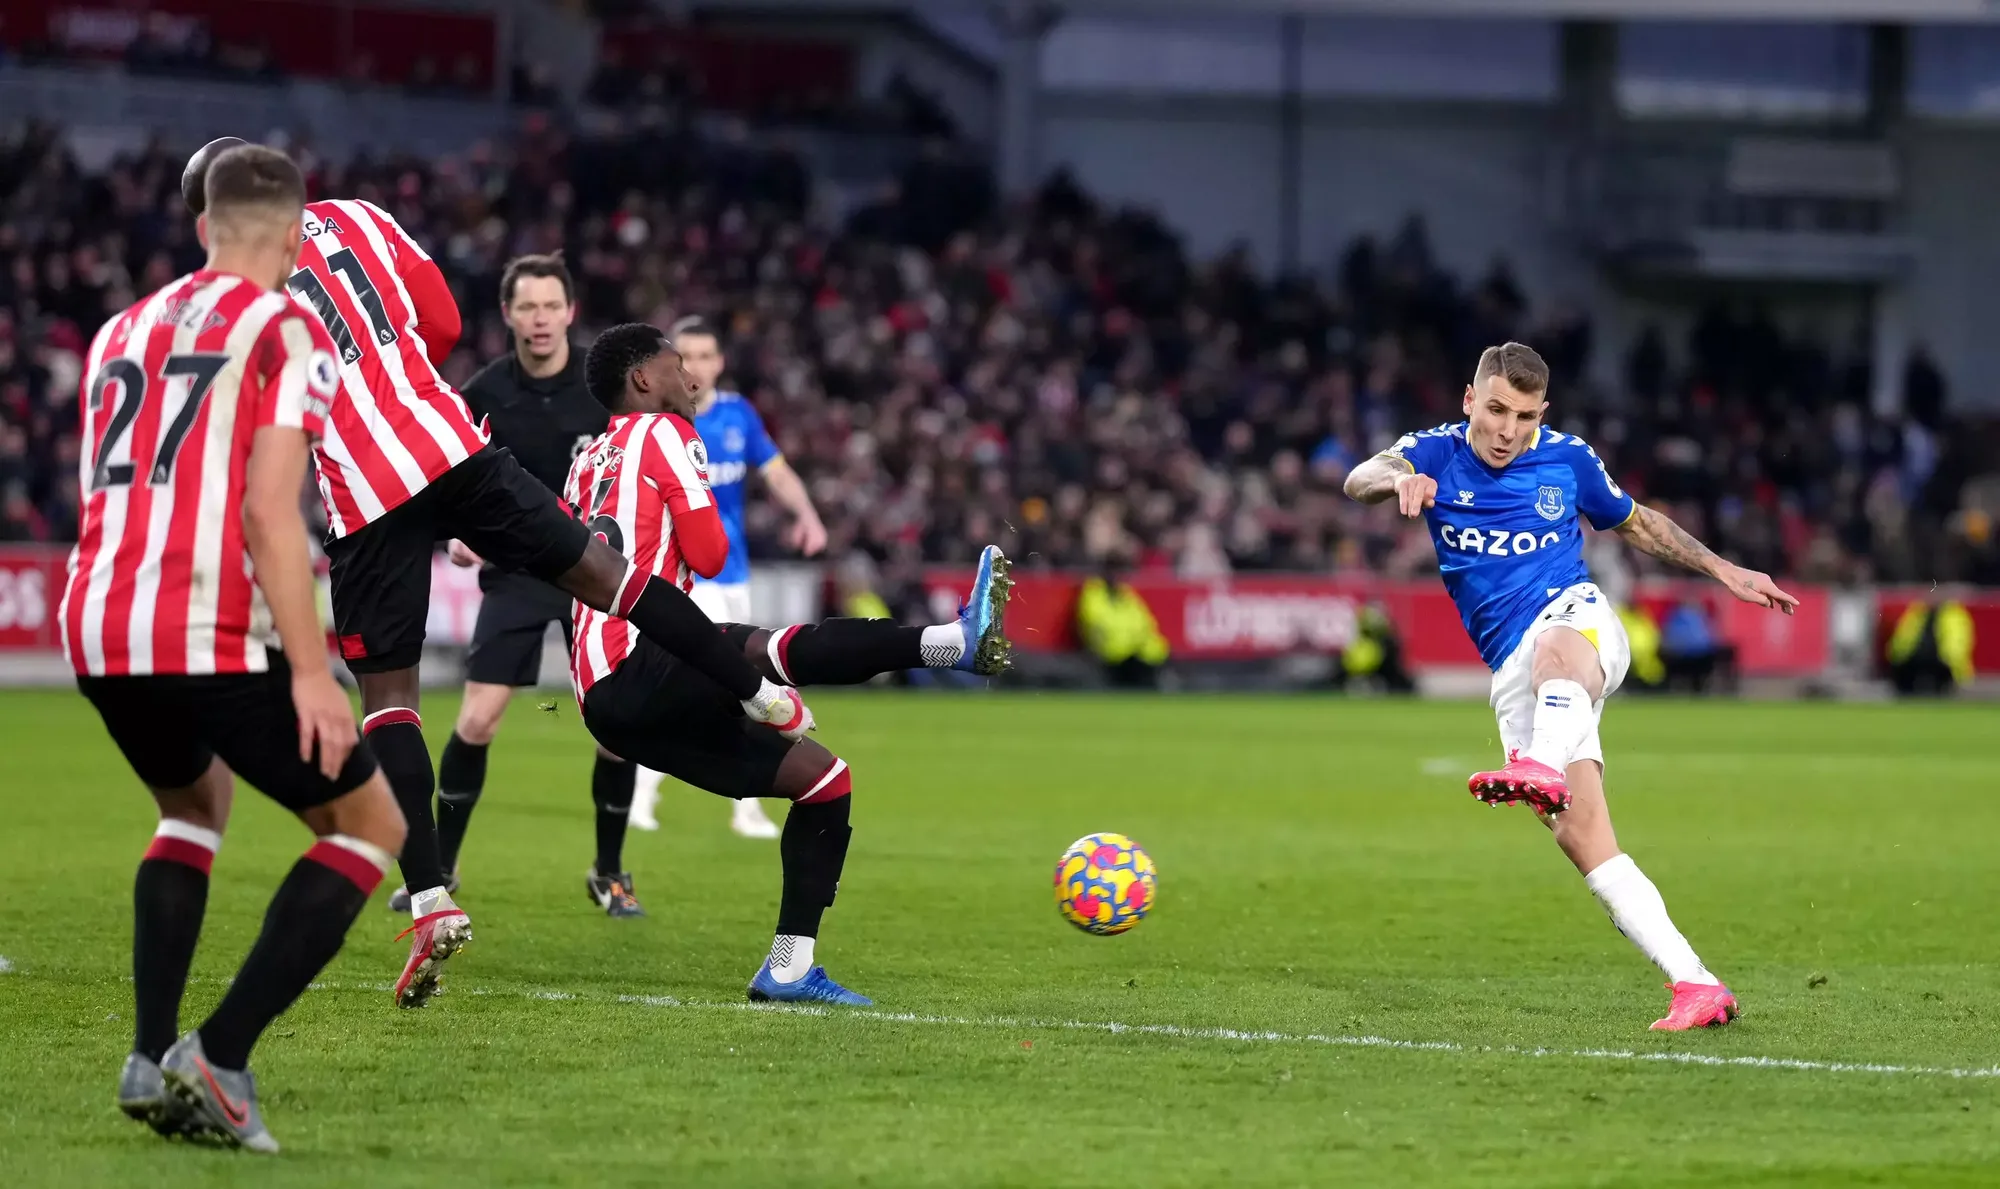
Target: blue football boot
x=816 y=987
x=983 y=618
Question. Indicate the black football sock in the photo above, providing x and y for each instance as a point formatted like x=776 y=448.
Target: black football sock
x=303 y=930
x=169 y=897
x=847 y=651
x=397 y=737
x=813 y=849
x=664 y=614
x=611 y=791
x=461 y=778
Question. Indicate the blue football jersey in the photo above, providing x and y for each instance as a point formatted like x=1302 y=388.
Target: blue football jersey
x=1507 y=539
x=737 y=444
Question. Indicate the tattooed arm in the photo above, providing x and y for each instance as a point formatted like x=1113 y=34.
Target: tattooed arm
x=1384 y=477
x=1654 y=532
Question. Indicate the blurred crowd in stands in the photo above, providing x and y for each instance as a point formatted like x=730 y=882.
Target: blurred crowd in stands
x=1056 y=376
x=677 y=81
x=173 y=45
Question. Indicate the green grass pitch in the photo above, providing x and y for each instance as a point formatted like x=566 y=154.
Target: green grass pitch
x=1324 y=878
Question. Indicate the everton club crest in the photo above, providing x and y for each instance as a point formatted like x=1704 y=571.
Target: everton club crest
x=1549 y=502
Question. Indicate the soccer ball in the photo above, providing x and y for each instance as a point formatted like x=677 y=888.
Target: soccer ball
x=1105 y=884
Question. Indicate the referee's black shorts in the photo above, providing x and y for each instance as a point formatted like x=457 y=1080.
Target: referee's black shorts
x=514 y=616
x=381 y=572
x=172 y=727
x=672 y=718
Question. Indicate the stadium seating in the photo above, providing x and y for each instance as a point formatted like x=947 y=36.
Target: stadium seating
x=1055 y=376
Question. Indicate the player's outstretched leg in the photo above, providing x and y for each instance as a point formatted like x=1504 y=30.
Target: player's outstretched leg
x=982 y=619
x=814 y=850
x=169 y=899
x=851 y=651
x=1635 y=905
x=607 y=883
x=208 y=1071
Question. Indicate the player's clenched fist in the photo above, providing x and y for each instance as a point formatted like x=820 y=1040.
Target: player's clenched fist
x=1414 y=493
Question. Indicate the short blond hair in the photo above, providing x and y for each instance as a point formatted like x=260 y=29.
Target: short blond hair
x=1520 y=365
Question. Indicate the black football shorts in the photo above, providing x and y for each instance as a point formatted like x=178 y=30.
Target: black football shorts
x=514 y=616
x=673 y=718
x=172 y=727
x=381 y=572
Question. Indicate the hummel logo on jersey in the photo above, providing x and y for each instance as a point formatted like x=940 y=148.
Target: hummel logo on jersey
x=1465 y=498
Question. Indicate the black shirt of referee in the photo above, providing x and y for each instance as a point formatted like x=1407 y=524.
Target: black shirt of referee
x=545 y=420
x=535 y=404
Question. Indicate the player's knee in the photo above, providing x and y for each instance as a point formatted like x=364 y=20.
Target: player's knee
x=810 y=773
x=594 y=579
x=1584 y=831
x=480 y=713
x=756 y=645
x=1564 y=654
x=369 y=813
x=1586 y=844
x=385 y=691
x=205 y=803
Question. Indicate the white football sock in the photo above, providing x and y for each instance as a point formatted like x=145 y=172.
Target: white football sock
x=430 y=900
x=791 y=957
x=1563 y=718
x=943 y=646
x=646 y=785
x=1641 y=915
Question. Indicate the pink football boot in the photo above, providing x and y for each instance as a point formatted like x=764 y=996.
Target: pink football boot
x=1531 y=782
x=1698 y=1005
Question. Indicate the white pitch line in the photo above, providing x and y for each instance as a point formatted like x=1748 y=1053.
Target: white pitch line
x=1251 y=1036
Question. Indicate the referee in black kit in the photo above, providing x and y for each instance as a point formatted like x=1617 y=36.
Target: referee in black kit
x=535 y=403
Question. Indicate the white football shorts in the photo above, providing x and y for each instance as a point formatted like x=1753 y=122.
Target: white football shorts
x=723 y=602
x=1584 y=608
